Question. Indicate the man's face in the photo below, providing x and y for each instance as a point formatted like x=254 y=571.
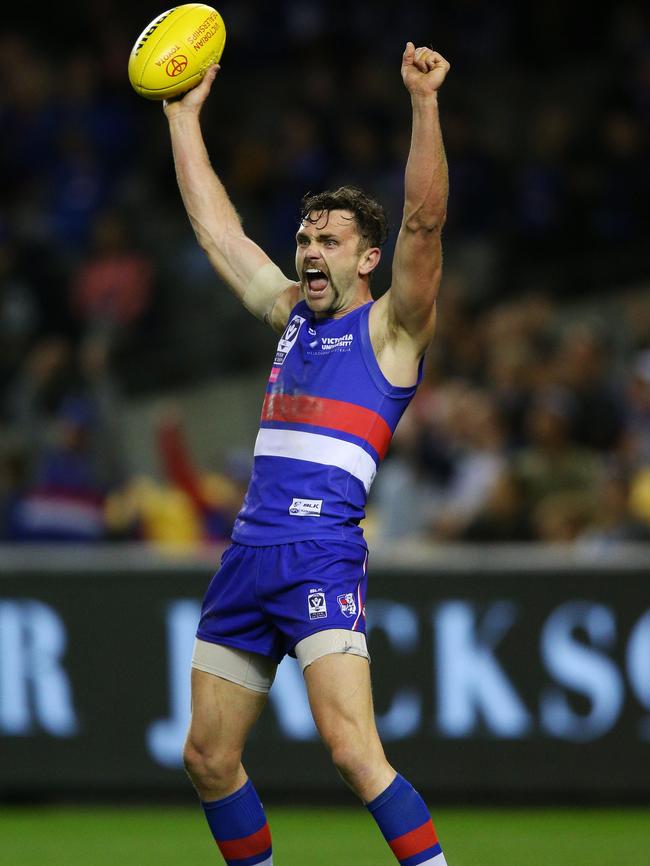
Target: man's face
x=327 y=260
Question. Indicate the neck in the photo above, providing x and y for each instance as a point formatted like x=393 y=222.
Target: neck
x=361 y=296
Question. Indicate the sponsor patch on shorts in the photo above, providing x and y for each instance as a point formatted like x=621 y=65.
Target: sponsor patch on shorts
x=317 y=604
x=305 y=507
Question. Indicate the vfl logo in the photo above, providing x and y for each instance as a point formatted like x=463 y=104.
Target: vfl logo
x=176 y=65
x=291 y=332
x=316 y=604
x=347 y=604
x=287 y=340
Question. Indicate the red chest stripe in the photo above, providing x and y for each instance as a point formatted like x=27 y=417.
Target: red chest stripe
x=335 y=414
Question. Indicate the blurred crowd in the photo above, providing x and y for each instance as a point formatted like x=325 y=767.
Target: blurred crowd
x=533 y=421
x=532 y=424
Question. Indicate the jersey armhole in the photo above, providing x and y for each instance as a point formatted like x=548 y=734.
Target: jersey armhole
x=372 y=365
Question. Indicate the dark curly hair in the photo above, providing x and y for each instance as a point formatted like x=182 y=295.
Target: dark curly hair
x=369 y=215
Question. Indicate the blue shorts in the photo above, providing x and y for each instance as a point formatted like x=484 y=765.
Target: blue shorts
x=267 y=599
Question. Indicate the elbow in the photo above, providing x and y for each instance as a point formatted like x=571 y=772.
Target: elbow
x=212 y=239
x=424 y=222
x=204 y=235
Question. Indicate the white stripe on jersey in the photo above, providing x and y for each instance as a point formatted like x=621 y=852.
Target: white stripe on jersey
x=269 y=862
x=316 y=448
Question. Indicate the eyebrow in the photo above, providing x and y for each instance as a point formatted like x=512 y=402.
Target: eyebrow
x=321 y=236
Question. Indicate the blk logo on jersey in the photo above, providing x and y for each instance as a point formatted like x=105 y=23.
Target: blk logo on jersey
x=317 y=604
x=305 y=507
x=287 y=340
x=348 y=604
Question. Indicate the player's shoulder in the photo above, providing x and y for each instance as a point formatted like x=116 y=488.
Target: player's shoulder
x=278 y=316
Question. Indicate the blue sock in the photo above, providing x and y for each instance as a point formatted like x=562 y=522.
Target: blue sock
x=404 y=820
x=240 y=828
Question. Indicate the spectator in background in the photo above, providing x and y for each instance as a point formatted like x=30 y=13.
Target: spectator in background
x=19 y=312
x=583 y=369
x=65 y=421
x=561 y=517
x=64 y=502
x=552 y=463
x=637 y=419
x=56 y=372
x=36 y=391
x=113 y=289
x=98 y=385
x=190 y=507
x=215 y=497
x=14 y=477
x=477 y=431
x=504 y=516
x=613 y=521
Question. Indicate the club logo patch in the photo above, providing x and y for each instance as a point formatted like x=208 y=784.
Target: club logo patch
x=317 y=604
x=287 y=340
x=347 y=604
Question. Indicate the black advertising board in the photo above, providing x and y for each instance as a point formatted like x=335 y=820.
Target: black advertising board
x=515 y=681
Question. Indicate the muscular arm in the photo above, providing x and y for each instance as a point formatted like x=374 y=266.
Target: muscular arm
x=250 y=273
x=417 y=265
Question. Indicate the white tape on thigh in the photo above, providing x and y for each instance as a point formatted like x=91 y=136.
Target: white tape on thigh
x=331 y=640
x=251 y=670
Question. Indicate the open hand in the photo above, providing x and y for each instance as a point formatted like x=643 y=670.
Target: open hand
x=193 y=100
x=423 y=70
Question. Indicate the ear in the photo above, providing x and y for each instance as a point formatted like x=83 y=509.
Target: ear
x=369 y=261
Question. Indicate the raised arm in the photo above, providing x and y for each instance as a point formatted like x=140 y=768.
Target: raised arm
x=417 y=266
x=248 y=271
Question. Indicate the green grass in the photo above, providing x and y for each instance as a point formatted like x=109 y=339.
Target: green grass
x=138 y=836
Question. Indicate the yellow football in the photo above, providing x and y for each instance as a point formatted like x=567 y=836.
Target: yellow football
x=173 y=52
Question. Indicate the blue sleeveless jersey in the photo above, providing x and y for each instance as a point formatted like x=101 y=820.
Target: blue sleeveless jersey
x=327 y=421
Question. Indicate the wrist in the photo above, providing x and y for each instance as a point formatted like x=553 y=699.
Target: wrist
x=182 y=116
x=428 y=98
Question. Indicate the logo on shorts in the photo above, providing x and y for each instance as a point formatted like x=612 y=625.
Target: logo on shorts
x=316 y=604
x=347 y=604
x=305 y=507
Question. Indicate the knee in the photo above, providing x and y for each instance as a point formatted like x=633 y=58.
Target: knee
x=353 y=758
x=210 y=766
x=362 y=765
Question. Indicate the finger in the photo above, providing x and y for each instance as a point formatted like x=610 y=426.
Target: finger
x=210 y=75
x=409 y=53
x=439 y=59
x=425 y=52
x=420 y=58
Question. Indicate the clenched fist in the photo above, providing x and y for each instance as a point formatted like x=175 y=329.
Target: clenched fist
x=423 y=70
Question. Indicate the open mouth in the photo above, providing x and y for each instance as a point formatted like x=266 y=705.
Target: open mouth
x=317 y=281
